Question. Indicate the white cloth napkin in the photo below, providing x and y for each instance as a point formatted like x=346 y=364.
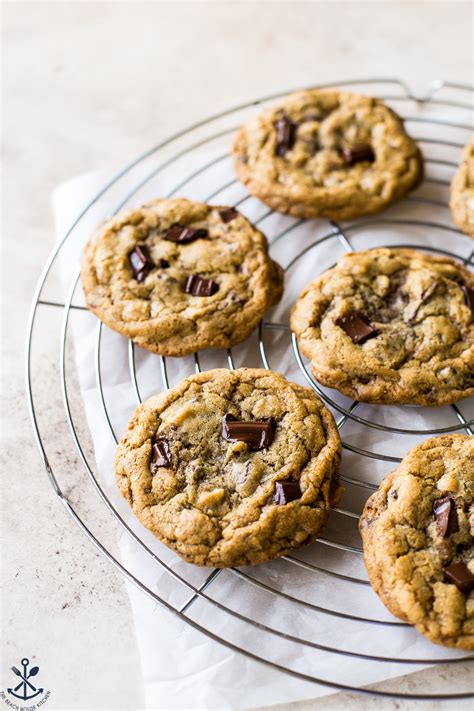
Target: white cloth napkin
x=182 y=667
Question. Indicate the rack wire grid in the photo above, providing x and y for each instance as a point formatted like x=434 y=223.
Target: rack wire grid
x=438 y=122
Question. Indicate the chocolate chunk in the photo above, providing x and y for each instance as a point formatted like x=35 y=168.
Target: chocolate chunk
x=197 y=286
x=357 y=326
x=141 y=262
x=469 y=297
x=161 y=452
x=357 y=155
x=461 y=576
x=228 y=214
x=446 y=516
x=163 y=264
x=139 y=257
x=258 y=434
x=286 y=491
x=286 y=134
x=184 y=235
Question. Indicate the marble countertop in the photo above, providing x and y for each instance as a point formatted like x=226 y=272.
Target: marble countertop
x=89 y=86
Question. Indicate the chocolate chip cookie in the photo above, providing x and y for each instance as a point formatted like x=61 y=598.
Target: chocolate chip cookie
x=417 y=530
x=177 y=276
x=462 y=193
x=231 y=467
x=391 y=326
x=330 y=154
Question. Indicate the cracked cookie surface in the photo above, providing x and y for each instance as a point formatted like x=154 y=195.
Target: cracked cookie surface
x=408 y=548
x=462 y=193
x=220 y=502
x=331 y=154
x=138 y=270
x=413 y=315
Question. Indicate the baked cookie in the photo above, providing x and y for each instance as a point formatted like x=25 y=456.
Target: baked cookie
x=231 y=467
x=323 y=153
x=462 y=193
x=391 y=326
x=417 y=530
x=177 y=276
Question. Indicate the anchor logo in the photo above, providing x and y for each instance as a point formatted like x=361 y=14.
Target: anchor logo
x=28 y=690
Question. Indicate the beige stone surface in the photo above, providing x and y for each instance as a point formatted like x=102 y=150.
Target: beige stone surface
x=87 y=86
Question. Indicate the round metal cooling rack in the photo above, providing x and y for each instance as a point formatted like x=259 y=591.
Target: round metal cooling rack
x=165 y=165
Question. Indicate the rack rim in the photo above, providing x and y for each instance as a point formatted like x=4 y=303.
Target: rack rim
x=37 y=301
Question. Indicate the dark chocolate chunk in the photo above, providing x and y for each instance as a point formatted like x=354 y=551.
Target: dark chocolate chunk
x=286 y=134
x=139 y=257
x=184 y=235
x=258 y=434
x=163 y=264
x=357 y=326
x=228 y=214
x=357 y=155
x=141 y=262
x=286 y=491
x=461 y=576
x=197 y=286
x=161 y=452
x=446 y=516
x=469 y=296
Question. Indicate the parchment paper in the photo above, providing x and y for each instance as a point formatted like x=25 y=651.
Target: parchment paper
x=182 y=668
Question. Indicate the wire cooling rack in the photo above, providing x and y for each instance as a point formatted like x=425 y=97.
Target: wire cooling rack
x=439 y=121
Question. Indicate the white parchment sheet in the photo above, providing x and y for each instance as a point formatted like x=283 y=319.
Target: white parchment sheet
x=182 y=667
